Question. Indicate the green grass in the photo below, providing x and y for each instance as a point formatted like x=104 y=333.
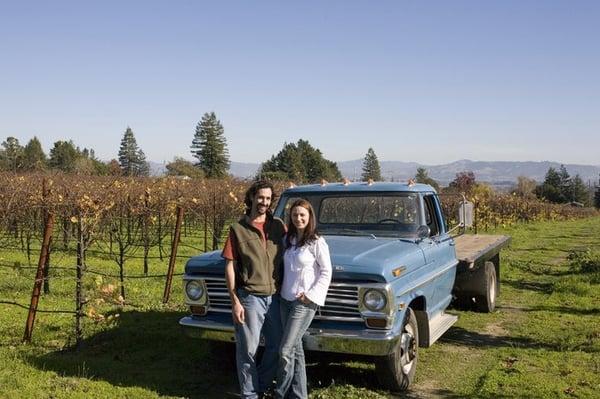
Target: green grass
x=542 y=342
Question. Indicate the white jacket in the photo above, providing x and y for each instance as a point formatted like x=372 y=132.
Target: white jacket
x=307 y=270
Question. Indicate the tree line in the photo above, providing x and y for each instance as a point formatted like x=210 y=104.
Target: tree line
x=66 y=157
x=299 y=162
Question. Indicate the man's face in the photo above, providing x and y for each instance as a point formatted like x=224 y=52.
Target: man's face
x=262 y=201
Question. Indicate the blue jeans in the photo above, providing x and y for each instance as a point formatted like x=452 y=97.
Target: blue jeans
x=291 y=374
x=261 y=314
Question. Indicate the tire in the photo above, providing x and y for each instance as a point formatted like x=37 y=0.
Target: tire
x=396 y=371
x=463 y=302
x=485 y=302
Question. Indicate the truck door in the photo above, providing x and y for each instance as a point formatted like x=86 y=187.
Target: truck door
x=439 y=253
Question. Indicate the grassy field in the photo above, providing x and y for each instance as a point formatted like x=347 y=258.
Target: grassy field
x=542 y=342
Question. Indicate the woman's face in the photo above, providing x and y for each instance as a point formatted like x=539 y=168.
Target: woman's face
x=300 y=217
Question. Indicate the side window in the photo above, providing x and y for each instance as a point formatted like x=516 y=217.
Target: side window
x=431 y=218
x=286 y=209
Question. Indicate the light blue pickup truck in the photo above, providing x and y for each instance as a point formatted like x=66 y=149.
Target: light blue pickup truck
x=396 y=268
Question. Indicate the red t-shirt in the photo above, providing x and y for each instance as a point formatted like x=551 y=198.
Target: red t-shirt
x=230 y=251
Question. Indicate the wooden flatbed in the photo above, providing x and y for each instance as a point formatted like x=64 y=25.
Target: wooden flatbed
x=472 y=249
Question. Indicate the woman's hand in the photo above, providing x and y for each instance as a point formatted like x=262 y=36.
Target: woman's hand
x=304 y=299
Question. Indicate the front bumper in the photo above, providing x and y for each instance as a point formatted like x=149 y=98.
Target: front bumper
x=351 y=339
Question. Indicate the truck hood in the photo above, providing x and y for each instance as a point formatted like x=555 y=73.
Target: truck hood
x=351 y=255
x=353 y=258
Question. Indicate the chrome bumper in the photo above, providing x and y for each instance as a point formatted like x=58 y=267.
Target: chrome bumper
x=359 y=341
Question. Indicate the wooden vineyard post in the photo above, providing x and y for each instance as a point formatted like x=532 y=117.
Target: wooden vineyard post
x=39 y=278
x=79 y=283
x=45 y=194
x=47 y=268
x=173 y=257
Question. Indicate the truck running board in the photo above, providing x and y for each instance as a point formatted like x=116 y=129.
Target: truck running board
x=439 y=325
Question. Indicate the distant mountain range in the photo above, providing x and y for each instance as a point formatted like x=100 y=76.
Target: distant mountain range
x=499 y=173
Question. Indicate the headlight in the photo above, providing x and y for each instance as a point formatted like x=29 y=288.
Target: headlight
x=374 y=300
x=194 y=289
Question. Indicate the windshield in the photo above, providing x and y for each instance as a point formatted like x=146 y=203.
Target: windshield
x=378 y=214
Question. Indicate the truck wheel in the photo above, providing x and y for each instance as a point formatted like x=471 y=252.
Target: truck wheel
x=397 y=370
x=485 y=302
x=463 y=302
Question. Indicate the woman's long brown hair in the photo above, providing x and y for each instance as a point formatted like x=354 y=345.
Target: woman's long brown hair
x=310 y=231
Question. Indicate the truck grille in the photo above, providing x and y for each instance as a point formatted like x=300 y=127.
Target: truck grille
x=341 y=302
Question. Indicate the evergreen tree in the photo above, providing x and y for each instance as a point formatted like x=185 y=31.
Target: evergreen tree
x=299 y=162
x=11 y=155
x=34 y=157
x=551 y=189
x=423 y=177
x=578 y=191
x=143 y=165
x=131 y=158
x=565 y=185
x=370 y=167
x=63 y=156
x=210 y=147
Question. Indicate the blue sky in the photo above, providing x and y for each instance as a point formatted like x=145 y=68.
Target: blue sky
x=430 y=82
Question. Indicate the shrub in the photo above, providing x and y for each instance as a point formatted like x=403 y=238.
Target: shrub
x=587 y=261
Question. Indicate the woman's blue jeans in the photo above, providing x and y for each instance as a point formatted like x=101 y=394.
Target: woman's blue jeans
x=291 y=374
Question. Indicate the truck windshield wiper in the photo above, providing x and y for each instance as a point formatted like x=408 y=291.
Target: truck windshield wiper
x=349 y=232
x=411 y=240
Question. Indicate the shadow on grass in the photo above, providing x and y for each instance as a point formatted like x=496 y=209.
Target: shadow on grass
x=147 y=350
x=460 y=336
x=563 y=309
x=537 y=286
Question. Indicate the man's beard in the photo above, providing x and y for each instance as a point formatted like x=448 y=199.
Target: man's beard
x=262 y=209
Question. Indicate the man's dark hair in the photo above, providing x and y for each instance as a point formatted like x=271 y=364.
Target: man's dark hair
x=253 y=189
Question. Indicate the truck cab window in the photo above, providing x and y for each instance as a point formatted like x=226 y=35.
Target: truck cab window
x=431 y=218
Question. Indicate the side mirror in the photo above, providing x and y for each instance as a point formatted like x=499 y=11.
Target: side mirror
x=423 y=232
x=465 y=213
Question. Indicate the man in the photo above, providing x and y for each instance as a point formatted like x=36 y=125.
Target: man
x=254 y=254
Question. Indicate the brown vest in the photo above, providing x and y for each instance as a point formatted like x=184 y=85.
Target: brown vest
x=259 y=270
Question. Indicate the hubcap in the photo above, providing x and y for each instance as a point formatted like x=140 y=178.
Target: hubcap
x=408 y=348
x=492 y=289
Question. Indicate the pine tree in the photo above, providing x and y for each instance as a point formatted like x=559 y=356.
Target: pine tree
x=131 y=158
x=565 y=186
x=551 y=188
x=578 y=191
x=143 y=167
x=423 y=177
x=210 y=147
x=11 y=156
x=34 y=157
x=370 y=167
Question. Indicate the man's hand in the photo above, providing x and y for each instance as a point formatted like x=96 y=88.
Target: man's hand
x=237 y=311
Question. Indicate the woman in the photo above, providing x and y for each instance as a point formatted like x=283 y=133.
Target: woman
x=306 y=278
